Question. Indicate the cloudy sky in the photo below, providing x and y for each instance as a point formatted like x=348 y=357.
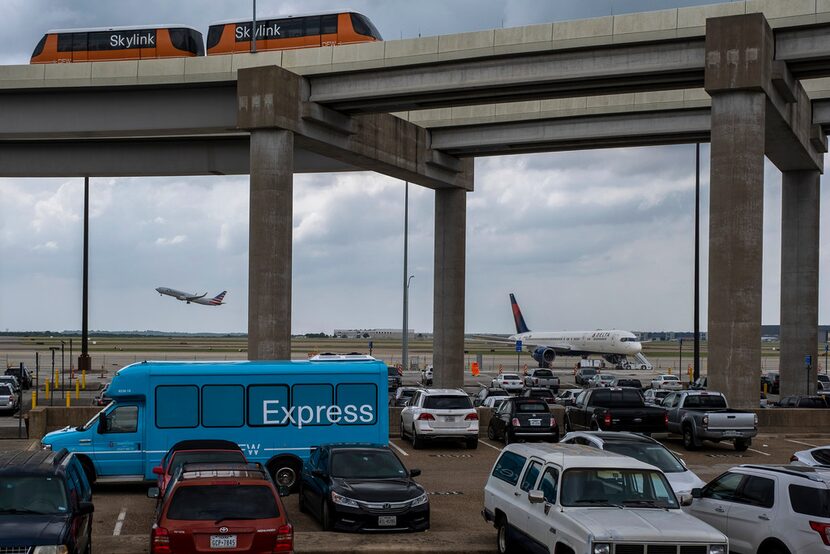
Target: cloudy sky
x=585 y=240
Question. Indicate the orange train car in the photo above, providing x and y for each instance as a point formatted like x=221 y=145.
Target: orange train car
x=118 y=43
x=290 y=32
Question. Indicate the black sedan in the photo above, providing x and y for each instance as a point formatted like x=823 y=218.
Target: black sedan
x=523 y=419
x=362 y=487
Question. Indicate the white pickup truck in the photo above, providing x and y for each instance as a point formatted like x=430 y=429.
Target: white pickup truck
x=575 y=499
x=702 y=415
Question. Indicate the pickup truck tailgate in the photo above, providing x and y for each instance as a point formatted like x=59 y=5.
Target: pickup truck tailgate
x=730 y=421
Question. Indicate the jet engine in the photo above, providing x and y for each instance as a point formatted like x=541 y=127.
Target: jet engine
x=544 y=355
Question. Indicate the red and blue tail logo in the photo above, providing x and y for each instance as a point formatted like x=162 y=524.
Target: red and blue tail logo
x=521 y=327
x=217 y=300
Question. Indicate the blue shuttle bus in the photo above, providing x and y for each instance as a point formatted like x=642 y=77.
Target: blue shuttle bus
x=277 y=411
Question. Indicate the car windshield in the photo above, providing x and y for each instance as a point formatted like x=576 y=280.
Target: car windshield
x=616 y=487
x=206 y=457
x=366 y=464
x=510 y=377
x=649 y=453
x=40 y=495
x=407 y=393
x=93 y=420
x=669 y=377
x=621 y=397
x=218 y=502
x=588 y=371
x=5 y=390
x=545 y=393
x=705 y=401
x=447 y=402
x=498 y=392
x=543 y=373
x=812 y=402
x=531 y=407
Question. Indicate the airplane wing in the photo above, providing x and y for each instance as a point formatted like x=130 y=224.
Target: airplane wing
x=189 y=298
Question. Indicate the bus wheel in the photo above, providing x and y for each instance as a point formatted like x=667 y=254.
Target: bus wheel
x=89 y=469
x=286 y=472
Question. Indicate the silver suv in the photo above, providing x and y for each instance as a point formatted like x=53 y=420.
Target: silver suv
x=771 y=509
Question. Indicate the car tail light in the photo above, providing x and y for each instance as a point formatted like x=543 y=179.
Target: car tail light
x=666 y=419
x=160 y=541
x=516 y=422
x=471 y=417
x=426 y=417
x=552 y=421
x=822 y=529
x=285 y=539
x=607 y=419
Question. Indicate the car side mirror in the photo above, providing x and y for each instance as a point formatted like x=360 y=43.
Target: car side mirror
x=153 y=492
x=686 y=499
x=102 y=423
x=158 y=470
x=536 y=497
x=85 y=507
x=414 y=472
x=318 y=474
x=697 y=493
x=283 y=490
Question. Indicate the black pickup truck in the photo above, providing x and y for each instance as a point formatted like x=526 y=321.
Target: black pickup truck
x=614 y=409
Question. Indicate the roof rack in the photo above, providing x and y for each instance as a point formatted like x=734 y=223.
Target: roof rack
x=806 y=472
x=214 y=470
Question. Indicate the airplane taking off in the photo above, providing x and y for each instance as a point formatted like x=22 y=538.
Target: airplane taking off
x=188 y=297
x=612 y=344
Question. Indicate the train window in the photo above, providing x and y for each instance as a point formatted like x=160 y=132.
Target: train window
x=39 y=48
x=187 y=40
x=291 y=28
x=79 y=42
x=328 y=24
x=65 y=42
x=312 y=26
x=214 y=35
x=99 y=41
x=362 y=26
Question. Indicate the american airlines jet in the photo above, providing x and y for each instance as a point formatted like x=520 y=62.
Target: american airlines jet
x=612 y=344
x=196 y=298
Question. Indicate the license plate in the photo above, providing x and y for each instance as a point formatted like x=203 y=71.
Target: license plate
x=387 y=521
x=535 y=422
x=449 y=418
x=223 y=541
x=731 y=434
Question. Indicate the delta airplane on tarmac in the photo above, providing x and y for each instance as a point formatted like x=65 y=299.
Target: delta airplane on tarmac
x=188 y=297
x=612 y=344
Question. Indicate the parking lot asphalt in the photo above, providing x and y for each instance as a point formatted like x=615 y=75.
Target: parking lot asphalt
x=454 y=478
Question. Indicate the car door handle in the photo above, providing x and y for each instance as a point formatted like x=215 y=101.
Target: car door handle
x=720 y=510
x=85 y=441
x=764 y=517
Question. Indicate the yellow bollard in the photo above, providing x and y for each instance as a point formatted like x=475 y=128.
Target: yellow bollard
x=77 y=390
x=46 y=384
x=766 y=386
x=83 y=379
x=68 y=398
x=55 y=382
x=34 y=399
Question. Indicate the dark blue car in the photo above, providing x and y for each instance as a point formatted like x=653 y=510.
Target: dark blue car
x=45 y=500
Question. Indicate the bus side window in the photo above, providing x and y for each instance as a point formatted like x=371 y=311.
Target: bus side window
x=123 y=419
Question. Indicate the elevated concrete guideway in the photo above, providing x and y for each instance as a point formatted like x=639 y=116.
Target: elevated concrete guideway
x=325 y=109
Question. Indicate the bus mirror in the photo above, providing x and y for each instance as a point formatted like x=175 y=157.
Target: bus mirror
x=102 y=422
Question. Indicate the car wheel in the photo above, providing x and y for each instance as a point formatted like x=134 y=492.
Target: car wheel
x=503 y=542
x=472 y=443
x=325 y=517
x=89 y=470
x=491 y=434
x=742 y=444
x=403 y=433
x=88 y=545
x=568 y=426
x=417 y=443
x=508 y=438
x=689 y=438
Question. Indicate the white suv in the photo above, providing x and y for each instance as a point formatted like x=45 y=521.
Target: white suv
x=768 y=509
x=574 y=499
x=440 y=414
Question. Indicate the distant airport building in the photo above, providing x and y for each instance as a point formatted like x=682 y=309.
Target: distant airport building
x=371 y=333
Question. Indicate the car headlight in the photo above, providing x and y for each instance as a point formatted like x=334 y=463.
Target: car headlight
x=47 y=446
x=51 y=549
x=601 y=548
x=343 y=500
x=423 y=499
x=717 y=549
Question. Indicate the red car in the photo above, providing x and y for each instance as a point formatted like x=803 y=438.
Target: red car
x=221 y=507
x=196 y=451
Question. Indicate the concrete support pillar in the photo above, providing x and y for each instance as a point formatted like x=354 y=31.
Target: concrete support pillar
x=448 y=293
x=799 y=281
x=736 y=214
x=270 y=240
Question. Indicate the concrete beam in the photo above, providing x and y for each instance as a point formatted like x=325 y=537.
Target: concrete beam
x=448 y=289
x=272 y=97
x=550 y=74
x=806 y=50
x=800 y=201
x=270 y=244
x=575 y=133
x=144 y=158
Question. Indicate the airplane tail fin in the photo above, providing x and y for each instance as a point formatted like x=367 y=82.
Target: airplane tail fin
x=217 y=300
x=521 y=326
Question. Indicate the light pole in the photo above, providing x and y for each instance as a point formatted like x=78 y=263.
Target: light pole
x=253 y=31
x=405 y=343
x=406 y=278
